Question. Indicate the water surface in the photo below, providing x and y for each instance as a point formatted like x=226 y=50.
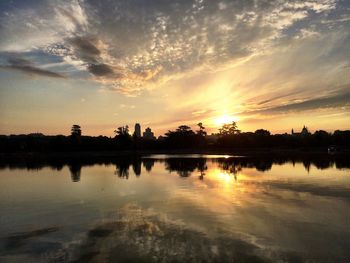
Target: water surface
x=175 y=208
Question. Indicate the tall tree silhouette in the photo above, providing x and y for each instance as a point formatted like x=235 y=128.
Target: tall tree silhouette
x=123 y=130
x=229 y=129
x=76 y=130
x=201 y=130
x=123 y=138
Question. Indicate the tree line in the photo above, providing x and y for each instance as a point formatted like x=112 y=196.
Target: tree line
x=228 y=138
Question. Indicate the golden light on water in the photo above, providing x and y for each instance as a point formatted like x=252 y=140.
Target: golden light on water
x=225 y=177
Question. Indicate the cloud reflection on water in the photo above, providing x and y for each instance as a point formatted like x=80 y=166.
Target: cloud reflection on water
x=248 y=209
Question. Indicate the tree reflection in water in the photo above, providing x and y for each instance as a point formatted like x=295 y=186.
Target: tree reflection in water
x=183 y=166
x=75 y=171
x=139 y=234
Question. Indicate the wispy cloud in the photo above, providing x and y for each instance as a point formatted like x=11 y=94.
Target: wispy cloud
x=341 y=99
x=28 y=67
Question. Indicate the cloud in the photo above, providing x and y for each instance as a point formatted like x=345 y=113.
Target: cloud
x=130 y=47
x=85 y=48
x=334 y=101
x=101 y=70
x=28 y=67
x=278 y=97
x=72 y=15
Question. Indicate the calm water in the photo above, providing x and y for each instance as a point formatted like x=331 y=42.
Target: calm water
x=178 y=209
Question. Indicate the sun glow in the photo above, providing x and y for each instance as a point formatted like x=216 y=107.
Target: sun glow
x=223 y=119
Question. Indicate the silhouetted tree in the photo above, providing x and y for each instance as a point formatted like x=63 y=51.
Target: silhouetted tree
x=229 y=129
x=321 y=138
x=76 y=130
x=201 y=131
x=262 y=133
x=123 y=130
x=341 y=137
x=182 y=137
x=75 y=137
x=185 y=130
x=123 y=138
x=201 y=135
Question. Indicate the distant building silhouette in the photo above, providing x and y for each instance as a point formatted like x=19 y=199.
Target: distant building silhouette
x=137 y=131
x=304 y=132
x=148 y=134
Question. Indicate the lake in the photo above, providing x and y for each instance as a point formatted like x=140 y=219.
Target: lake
x=175 y=208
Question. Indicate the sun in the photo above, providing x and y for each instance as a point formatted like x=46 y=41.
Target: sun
x=223 y=119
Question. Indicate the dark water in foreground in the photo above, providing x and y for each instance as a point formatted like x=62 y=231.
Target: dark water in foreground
x=178 y=209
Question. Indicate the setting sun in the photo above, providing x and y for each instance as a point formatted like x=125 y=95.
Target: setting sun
x=219 y=121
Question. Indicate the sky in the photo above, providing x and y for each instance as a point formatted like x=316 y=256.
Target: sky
x=275 y=65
